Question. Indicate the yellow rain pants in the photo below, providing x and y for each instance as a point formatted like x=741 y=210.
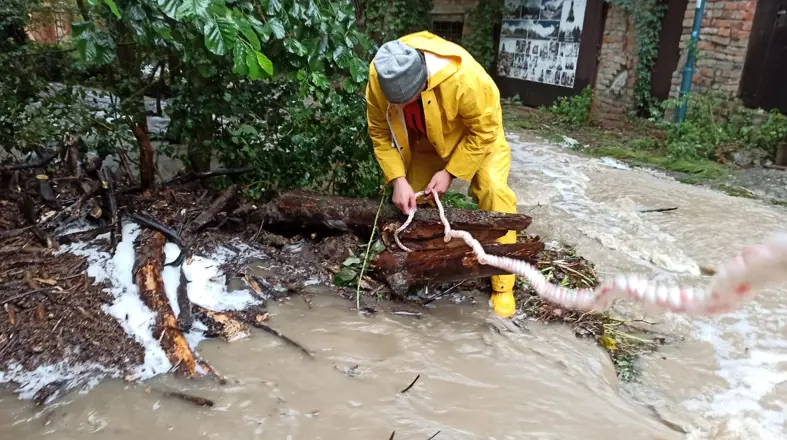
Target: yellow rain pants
x=490 y=188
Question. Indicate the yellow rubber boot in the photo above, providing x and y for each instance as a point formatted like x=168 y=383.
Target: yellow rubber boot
x=503 y=303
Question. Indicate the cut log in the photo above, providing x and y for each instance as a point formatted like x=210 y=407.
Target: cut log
x=45 y=189
x=405 y=270
x=313 y=211
x=217 y=206
x=428 y=236
x=147 y=276
x=223 y=324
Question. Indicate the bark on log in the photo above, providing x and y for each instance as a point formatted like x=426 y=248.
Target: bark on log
x=217 y=206
x=405 y=270
x=185 y=317
x=428 y=236
x=147 y=276
x=310 y=210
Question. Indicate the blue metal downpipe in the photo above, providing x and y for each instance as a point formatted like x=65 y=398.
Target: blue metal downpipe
x=688 y=69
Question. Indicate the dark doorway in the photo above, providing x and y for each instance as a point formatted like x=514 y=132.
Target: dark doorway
x=669 y=49
x=765 y=69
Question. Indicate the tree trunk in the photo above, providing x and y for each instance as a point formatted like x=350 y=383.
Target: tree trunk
x=199 y=153
x=305 y=210
x=147 y=276
x=405 y=270
x=147 y=167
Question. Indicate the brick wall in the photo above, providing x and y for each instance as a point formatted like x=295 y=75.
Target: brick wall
x=724 y=39
x=613 y=95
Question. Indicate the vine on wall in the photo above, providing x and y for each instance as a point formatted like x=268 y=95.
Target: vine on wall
x=647 y=16
x=480 y=41
x=387 y=20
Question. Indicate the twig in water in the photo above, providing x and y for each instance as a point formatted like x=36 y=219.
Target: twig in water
x=262 y=223
x=442 y=294
x=435 y=435
x=411 y=384
x=366 y=255
x=281 y=336
x=658 y=209
x=199 y=401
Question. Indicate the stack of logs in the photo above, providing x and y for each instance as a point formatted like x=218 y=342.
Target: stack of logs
x=432 y=260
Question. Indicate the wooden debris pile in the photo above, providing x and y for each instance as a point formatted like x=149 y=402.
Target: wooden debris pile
x=54 y=310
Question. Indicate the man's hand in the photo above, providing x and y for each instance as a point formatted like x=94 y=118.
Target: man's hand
x=439 y=183
x=403 y=195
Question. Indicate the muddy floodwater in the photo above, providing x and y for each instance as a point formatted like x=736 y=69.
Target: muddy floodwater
x=726 y=378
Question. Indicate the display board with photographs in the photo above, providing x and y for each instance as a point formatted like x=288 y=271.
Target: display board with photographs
x=539 y=40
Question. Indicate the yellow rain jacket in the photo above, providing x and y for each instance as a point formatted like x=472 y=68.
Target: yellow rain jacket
x=464 y=125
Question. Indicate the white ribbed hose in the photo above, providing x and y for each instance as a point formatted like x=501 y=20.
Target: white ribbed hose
x=735 y=281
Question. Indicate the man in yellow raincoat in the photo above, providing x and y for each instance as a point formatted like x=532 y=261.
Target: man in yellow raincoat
x=434 y=114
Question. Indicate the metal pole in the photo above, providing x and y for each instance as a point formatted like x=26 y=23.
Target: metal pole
x=688 y=69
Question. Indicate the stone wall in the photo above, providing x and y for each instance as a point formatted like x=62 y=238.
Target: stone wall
x=724 y=39
x=613 y=95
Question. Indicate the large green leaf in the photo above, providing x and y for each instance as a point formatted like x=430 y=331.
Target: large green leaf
x=221 y=33
x=248 y=32
x=253 y=65
x=265 y=63
x=277 y=28
x=190 y=8
x=260 y=28
x=162 y=30
x=86 y=49
x=340 y=53
x=113 y=7
x=320 y=80
x=169 y=7
x=295 y=46
x=358 y=70
x=213 y=40
x=239 y=56
x=274 y=6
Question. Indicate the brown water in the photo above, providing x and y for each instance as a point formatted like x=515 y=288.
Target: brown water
x=724 y=381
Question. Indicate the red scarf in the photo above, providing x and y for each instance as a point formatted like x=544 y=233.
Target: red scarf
x=414 y=116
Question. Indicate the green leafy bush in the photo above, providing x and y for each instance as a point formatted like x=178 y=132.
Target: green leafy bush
x=573 y=110
x=716 y=125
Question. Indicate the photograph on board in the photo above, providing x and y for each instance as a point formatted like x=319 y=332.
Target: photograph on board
x=572 y=20
x=544 y=30
x=551 y=9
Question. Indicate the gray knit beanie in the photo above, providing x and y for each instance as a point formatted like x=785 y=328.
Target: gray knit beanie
x=401 y=71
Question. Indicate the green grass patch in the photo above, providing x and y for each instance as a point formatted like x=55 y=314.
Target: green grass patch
x=696 y=169
x=736 y=191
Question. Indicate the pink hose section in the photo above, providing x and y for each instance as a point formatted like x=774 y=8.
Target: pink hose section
x=735 y=281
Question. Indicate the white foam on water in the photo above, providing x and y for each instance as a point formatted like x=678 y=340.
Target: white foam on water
x=30 y=382
x=749 y=406
x=562 y=182
x=614 y=163
x=207 y=288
